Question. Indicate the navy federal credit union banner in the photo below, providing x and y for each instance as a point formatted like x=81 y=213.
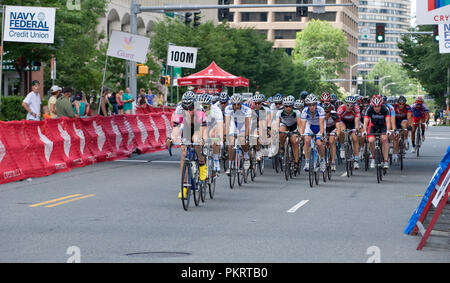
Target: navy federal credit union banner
x=29 y=24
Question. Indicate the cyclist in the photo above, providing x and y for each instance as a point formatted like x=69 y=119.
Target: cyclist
x=332 y=129
x=403 y=120
x=214 y=122
x=277 y=104
x=289 y=121
x=349 y=114
x=313 y=122
x=324 y=97
x=420 y=114
x=393 y=123
x=260 y=111
x=333 y=99
x=299 y=105
x=189 y=122
x=377 y=119
x=303 y=95
x=221 y=104
x=237 y=121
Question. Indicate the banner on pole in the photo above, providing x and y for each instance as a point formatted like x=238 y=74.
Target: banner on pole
x=128 y=46
x=181 y=56
x=432 y=12
x=29 y=24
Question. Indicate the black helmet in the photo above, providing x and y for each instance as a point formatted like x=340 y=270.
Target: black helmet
x=303 y=94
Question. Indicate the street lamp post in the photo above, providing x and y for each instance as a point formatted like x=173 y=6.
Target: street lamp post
x=393 y=83
x=350 y=78
x=309 y=60
x=379 y=82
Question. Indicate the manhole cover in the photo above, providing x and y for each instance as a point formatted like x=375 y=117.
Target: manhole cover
x=158 y=254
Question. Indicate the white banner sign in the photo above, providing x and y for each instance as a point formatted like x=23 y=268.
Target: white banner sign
x=444 y=38
x=29 y=24
x=128 y=46
x=432 y=12
x=181 y=56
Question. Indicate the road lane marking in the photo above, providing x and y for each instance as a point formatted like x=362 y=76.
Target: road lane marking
x=54 y=200
x=297 y=206
x=70 y=200
x=165 y=161
x=132 y=160
x=344 y=175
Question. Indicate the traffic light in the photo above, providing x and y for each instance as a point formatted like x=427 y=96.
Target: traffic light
x=165 y=80
x=196 y=19
x=141 y=70
x=302 y=11
x=354 y=80
x=187 y=18
x=224 y=13
x=436 y=33
x=379 y=36
x=376 y=80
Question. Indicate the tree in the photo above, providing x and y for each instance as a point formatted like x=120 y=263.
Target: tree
x=321 y=39
x=243 y=52
x=422 y=60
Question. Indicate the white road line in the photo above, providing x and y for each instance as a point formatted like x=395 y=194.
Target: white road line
x=132 y=160
x=297 y=206
x=344 y=175
x=165 y=161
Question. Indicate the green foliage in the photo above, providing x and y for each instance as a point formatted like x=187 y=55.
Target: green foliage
x=422 y=60
x=242 y=52
x=12 y=108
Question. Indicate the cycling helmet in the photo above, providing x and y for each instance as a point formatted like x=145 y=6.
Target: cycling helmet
x=333 y=98
x=366 y=100
x=376 y=101
x=298 y=104
x=236 y=98
x=384 y=98
x=223 y=97
x=325 y=97
x=204 y=99
x=303 y=94
x=360 y=100
x=419 y=100
x=338 y=103
x=327 y=106
x=257 y=98
x=350 y=99
x=277 y=98
x=187 y=100
x=402 y=99
x=288 y=100
x=390 y=100
x=311 y=99
x=214 y=98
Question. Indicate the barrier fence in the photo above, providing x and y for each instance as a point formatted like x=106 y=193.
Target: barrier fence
x=31 y=149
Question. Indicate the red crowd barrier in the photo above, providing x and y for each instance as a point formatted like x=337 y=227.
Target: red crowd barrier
x=31 y=149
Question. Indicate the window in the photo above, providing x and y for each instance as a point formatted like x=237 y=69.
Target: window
x=327 y=16
x=254 y=17
x=287 y=17
x=285 y=34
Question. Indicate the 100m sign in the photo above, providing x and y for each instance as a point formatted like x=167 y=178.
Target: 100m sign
x=180 y=56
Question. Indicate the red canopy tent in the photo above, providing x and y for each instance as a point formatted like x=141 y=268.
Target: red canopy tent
x=213 y=75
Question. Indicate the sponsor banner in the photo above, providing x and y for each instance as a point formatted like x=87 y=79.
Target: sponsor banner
x=29 y=24
x=128 y=46
x=181 y=56
x=432 y=12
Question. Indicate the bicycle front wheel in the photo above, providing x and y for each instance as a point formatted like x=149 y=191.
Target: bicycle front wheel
x=185 y=199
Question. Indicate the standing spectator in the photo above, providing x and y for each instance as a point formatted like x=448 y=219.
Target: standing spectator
x=119 y=101
x=103 y=107
x=150 y=96
x=142 y=99
x=63 y=104
x=113 y=101
x=81 y=106
x=160 y=100
x=46 y=112
x=32 y=102
x=127 y=99
x=55 y=90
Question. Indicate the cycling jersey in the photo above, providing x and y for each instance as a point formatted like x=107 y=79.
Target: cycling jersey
x=213 y=116
x=289 y=120
x=179 y=116
x=331 y=121
x=312 y=123
x=391 y=109
x=237 y=118
x=401 y=115
x=219 y=105
x=419 y=110
x=378 y=119
x=348 y=114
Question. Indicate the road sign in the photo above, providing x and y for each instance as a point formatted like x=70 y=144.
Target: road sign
x=181 y=56
x=432 y=12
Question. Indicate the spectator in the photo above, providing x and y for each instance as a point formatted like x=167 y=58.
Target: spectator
x=80 y=105
x=32 y=102
x=119 y=101
x=55 y=90
x=150 y=96
x=142 y=99
x=46 y=112
x=103 y=107
x=113 y=101
x=160 y=102
x=127 y=99
x=63 y=104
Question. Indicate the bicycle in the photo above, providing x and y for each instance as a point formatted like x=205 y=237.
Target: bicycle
x=418 y=137
x=379 y=160
x=314 y=161
x=212 y=174
x=327 y=173
x=236 y=166
x=401 y=146
x=366 y=155
x=190 y=178
x=288 y=156
x=348 y=148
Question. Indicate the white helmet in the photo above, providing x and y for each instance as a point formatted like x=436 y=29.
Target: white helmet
x=299 y=104
x=311 y=99
x=288 y=100
x=236 y=98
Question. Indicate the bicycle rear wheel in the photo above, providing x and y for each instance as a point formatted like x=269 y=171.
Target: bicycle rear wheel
x=311 y=167
x=196 y=186
x=287 y=160
x=317 y=169
x=185 y=199
x=212 y=188
x=240 y=169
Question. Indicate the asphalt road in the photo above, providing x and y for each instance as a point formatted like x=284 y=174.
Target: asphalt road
x=128 y=211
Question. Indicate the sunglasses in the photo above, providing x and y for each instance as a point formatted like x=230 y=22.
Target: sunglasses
x=236 y=104
x=311 y=104
x=224 y=102
x=258 y=103
x=401 y=103
x=206 y=106
x=287 y=106
x=278 y=103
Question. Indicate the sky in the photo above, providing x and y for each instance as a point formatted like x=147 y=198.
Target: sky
x=413 y=12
